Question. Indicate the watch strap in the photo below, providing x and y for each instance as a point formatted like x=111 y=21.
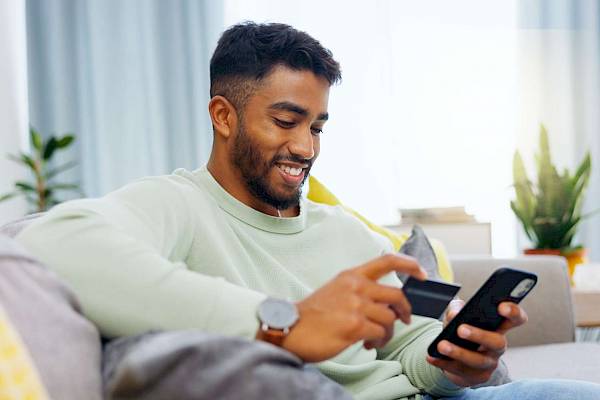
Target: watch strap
x=273 y=336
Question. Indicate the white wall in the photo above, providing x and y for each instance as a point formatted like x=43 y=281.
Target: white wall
x=426 y=113
x=13 y=100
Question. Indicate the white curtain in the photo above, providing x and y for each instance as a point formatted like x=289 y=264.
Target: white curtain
x=129 y=78
x=559 y=76
x=13 y=101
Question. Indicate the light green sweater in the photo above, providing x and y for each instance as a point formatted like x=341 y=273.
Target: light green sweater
x=179 y=252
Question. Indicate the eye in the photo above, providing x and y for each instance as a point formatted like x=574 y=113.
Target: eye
x=316 y=131
x=284 y=124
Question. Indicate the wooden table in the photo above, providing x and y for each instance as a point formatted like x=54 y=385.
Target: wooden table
x=586 y=304
x=586 y=295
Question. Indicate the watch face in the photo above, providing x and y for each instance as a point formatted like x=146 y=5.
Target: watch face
x=277 y=314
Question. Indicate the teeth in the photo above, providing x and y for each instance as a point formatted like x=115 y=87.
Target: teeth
x=290 y=171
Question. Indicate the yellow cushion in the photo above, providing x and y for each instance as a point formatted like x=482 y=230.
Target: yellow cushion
x=18 y=377
x=318 y=193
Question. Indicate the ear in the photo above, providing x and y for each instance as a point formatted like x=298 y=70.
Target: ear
x=223 y=115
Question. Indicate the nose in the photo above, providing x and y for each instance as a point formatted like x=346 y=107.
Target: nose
x=302 y=144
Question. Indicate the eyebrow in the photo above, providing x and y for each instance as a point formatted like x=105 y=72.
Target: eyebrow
x=295 y=108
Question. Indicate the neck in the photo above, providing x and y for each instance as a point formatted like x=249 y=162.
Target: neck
x=289 y=212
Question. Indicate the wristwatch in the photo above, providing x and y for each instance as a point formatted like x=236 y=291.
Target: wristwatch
x=276 y=318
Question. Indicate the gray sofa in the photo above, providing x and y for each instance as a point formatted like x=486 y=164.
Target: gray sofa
x=186 y=365
x=545 y=347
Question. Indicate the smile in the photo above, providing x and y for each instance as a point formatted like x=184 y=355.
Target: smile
x=289 y=170
x=292 y=176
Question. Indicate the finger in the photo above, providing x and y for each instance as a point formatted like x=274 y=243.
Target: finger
x=371 y=331
x=370 y=344
x=375 y=344
x=391 y=262
x=492 y=341
x=514 y=314
x=448 y=365
x=473 y=359
x=389 y=295
x=403 y=313
x=453 y=308
x=466 y=376
x=380 y=314
x=383 y=293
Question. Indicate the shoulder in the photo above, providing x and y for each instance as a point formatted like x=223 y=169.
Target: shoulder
x=338 y=218
x=172 y=189
x=162 y=197
x=319 y=212
x=171 y=184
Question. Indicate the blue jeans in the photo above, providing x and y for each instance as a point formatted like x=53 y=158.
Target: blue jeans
x=533 y=389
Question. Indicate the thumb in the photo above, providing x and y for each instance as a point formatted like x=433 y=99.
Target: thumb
x=453 y=308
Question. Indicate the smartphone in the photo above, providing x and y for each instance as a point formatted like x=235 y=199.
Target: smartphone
x=481 y=311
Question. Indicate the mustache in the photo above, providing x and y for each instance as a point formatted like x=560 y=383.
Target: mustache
x=294 y=159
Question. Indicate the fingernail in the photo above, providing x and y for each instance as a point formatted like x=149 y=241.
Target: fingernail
x=456 y=304
x=505 y=309
x=464 y=332
x=445 y=348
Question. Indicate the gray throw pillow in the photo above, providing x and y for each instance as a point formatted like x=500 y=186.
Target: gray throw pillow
x=193 y=365
x=419 y=247
x=65 y=347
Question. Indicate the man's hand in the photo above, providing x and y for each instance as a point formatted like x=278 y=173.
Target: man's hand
x=468 y=368
x=352 y=307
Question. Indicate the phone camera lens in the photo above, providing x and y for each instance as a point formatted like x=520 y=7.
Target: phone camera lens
x=522 y=288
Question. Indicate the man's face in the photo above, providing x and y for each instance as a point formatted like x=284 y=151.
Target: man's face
x=278 y=136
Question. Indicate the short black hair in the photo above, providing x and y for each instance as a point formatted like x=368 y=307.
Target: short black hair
x=247 y=52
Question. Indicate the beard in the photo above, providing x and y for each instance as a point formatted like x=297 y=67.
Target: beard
x=255 y=169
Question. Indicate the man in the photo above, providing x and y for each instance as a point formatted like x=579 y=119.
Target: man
x=232 y=247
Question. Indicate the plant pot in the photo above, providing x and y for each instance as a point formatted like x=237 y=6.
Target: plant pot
x=573 y=257
x=542 y=252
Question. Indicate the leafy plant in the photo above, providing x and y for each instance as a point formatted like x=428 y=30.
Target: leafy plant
x=550 y=211
x=41 y=192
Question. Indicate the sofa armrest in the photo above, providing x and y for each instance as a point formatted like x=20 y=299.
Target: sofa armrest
x=549 y=305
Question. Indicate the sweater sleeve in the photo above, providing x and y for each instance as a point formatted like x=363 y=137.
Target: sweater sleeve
x=124 y=255
x=409 y=347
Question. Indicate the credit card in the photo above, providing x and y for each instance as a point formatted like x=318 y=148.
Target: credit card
x=429 y=298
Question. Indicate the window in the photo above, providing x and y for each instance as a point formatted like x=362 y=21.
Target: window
x=426 y=113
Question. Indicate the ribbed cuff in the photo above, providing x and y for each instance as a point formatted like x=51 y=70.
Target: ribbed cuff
x=431 y=378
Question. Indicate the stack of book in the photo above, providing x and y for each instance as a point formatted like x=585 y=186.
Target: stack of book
x=435 y=215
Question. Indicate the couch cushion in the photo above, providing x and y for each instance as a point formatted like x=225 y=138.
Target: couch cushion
x=579 y=361
x=13 y=228
x=19 y=378
x=64 y=346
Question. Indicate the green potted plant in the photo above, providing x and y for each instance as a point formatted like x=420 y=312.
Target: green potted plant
x=41 y=192
x=550 y=210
